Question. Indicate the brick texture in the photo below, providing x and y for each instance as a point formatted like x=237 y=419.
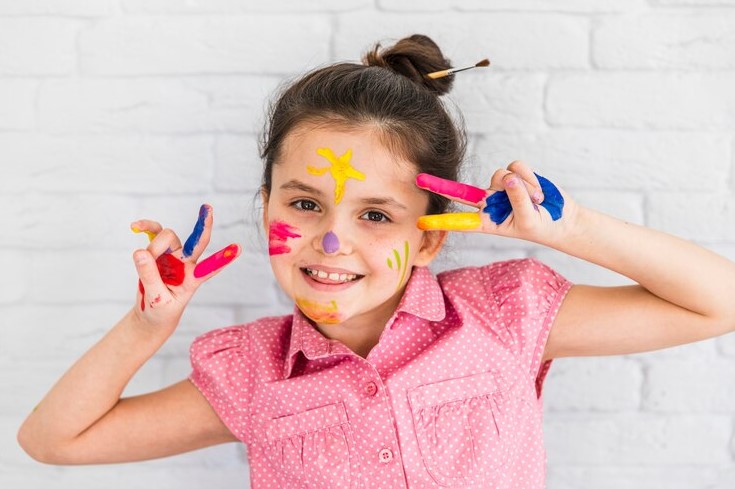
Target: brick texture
x=114 y=110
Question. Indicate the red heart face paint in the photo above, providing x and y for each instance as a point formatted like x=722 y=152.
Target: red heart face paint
x=278 y=233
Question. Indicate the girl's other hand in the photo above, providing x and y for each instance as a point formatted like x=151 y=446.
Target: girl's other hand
x=528 y=219
x=168 y=271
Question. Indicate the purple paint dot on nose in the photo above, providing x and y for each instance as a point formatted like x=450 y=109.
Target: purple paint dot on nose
x=330 y=243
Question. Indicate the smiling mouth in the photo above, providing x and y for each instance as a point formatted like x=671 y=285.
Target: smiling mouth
x=330 y=278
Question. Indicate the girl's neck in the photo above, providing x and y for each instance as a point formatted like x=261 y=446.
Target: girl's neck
x=361 y=333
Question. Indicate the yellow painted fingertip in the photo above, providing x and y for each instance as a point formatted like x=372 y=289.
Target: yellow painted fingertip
x=460 y=221
x=150 y=234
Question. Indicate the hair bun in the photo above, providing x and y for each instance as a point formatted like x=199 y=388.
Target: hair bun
x=413 y=57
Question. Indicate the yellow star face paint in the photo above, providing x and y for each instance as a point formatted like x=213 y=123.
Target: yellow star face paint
x=340 y=168
x=459 y=221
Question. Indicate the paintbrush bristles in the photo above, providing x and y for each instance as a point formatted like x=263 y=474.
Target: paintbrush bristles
x=451 y=71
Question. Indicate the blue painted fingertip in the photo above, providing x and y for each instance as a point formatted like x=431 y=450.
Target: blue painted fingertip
x=196 y=234
x=498 y=207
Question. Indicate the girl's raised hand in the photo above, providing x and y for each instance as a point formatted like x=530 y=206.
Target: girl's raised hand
x=168 y=271
x=518 y=204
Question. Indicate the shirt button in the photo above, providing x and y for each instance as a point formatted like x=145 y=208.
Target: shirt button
x=385 y=455
x=371 y=389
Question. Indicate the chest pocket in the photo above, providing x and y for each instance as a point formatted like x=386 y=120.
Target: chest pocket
x=314 y=448
x=462 y=428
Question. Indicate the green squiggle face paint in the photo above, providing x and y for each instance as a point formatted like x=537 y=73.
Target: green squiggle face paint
x=401 y=264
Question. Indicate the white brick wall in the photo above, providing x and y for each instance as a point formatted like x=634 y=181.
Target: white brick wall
x=111 y=110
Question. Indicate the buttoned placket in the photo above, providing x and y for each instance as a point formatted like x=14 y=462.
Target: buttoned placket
x=382 y=464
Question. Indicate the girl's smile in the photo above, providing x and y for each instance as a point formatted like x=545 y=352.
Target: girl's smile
x=350 y=207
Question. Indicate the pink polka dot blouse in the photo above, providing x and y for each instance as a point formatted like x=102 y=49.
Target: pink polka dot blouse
x=449 y=397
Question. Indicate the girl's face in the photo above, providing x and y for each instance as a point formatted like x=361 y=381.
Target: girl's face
x=341 y=220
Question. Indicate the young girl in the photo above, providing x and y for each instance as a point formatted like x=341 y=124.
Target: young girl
x=384 y=376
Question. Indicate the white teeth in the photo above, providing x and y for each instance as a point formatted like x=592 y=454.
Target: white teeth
x=336 y=277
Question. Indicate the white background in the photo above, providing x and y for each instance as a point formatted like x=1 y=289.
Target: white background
x=113 y=110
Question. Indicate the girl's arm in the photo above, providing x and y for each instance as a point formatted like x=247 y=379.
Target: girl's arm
x=83 y=420
x=684 y=292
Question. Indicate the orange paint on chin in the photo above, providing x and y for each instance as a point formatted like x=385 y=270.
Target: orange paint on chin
x=318 y=312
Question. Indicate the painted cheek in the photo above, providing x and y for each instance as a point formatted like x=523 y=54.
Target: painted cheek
x=398 y=262
x=319 y=312
x=278 y=233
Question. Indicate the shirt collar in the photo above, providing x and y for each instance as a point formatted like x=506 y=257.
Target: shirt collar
x=423 y=298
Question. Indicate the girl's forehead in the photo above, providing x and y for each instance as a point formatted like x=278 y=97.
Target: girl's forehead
x=356 y=153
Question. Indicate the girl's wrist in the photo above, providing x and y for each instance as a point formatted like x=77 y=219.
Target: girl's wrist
x=575 y=225
x=144 y=330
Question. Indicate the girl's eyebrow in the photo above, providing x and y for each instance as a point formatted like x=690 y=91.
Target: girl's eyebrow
x=301 y=187
x=382 y=201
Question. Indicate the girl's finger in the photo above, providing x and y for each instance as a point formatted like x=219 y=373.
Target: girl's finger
x=164 y=242
x=496 y=182
x=151 y=228
x=460 y=192
x=199 y=237
x=529 y=177
x=520 y=201
x=211 y=265
x=457 y=221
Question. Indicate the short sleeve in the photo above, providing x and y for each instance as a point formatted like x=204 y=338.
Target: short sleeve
x=222 y=374
x=528 y=295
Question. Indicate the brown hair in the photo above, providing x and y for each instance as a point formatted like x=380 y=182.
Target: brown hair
x=390 y=92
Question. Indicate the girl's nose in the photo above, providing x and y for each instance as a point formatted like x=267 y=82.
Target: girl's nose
x=330 y=243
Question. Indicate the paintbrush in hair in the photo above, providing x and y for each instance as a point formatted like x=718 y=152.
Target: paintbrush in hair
x=451 y=71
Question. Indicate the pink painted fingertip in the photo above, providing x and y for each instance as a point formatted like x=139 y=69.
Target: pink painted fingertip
x=216 y=261
x=510 y=182
x=450 y=188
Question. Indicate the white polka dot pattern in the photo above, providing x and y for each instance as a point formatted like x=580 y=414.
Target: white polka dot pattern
x=449 y=397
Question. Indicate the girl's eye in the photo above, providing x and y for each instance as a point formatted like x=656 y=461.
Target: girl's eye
x=375 y=216
x=305 y=205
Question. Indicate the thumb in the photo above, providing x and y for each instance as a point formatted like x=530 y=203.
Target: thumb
x=208 y=267
x=150 y=279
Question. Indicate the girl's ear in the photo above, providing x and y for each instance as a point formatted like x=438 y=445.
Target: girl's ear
x=264 y=197
x=430 y=246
